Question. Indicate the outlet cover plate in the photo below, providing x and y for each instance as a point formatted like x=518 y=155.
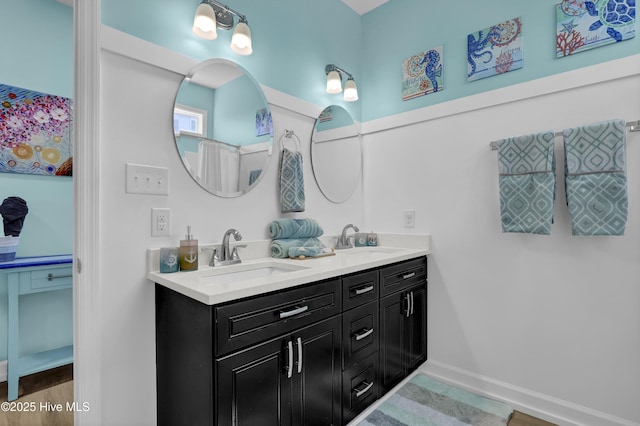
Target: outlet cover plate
x=160 y=222
x=150 y=180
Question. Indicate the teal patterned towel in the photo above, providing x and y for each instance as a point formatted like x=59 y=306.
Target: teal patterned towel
x=305 y=251
x=295 y=228
x=280 y=248
x=424 y=401
x=595 y=178
x=526 y=166
x=291 y=182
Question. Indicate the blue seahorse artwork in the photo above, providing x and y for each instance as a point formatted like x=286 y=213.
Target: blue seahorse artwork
x=495 y=50
x=583 y=25
x=422 y=74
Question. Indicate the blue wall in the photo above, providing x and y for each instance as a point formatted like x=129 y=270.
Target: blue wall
x=37 y=54
x=294 y=40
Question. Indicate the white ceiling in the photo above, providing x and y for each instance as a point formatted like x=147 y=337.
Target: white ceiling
x=363 y=6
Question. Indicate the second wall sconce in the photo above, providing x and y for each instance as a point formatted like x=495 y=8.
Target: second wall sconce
x=334 y=83
x=211 y=15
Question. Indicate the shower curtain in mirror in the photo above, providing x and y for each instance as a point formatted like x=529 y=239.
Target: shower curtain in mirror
x=218 y=167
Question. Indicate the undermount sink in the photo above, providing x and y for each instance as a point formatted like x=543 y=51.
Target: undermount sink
x=370 y=251
x=244 y=272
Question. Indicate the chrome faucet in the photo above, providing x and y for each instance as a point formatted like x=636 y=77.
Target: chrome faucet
x=228 y=257
x=343 y=241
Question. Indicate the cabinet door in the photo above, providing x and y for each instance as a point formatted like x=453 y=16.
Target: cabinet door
x=416 y=328
x=392 y=337
x=253 y=387
x=317 y=374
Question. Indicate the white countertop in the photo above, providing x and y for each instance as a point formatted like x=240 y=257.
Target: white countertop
x=259 y=273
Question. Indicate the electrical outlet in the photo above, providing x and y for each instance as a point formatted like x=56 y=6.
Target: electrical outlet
x=409 y=218
x=151 y=180
x=160 y=222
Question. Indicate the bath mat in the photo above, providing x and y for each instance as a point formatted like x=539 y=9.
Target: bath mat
x=424 y=401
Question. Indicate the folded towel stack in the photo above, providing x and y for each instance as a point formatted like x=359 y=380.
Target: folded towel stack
x=527 y=183
x=292 y=236
x=595 y=178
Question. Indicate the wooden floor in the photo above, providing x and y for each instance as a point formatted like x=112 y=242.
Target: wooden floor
x=522 y=419
x=38 y=397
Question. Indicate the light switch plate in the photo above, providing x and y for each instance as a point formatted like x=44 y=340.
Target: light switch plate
x=143 y=179
x=409 y=218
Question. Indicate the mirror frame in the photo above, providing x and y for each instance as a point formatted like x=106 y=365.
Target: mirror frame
x=206 y=65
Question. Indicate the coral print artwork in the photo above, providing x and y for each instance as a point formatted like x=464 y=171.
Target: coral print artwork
x=583 y=25
x=422 y=74
x=495 y=50
x=35 y=132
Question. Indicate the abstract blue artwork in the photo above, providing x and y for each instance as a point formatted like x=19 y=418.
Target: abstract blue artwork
x=495 y=50
x=584 y=25
x=422 y=74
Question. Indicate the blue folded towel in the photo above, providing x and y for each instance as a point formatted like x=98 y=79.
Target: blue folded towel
x=305 y=251
x=280 y=248
x=526 y=166
x=295 y=228
x=595 y=178
x=292 y=197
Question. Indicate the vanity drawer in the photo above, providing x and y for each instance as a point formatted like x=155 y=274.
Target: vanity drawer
x=46 y=280
x=402 y=275
x=359 y=387
x=250 y=321
x=359 y=333
x=359 y=288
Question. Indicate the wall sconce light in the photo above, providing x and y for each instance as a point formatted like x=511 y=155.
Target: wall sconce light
x=211 y=15
x=334 y=83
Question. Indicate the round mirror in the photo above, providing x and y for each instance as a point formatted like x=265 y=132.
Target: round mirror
x=336 y=154
x=223 y=129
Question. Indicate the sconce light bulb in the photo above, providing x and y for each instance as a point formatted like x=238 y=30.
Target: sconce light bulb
x=350 y=91
x=241 y=39
x=204 y=22
x=334 y=82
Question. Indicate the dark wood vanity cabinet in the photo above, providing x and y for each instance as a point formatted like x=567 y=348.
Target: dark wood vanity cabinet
x=403 y=321
x=317 y=354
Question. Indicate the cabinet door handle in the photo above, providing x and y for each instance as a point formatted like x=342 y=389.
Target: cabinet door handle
x=407 y=276
x=407 y=311
x=290 y=361
x=363 y=290
x=295 y=311
x=52 y=277
x=299 y=362
x=365 y=389
x=363 y=335
x=412 y=303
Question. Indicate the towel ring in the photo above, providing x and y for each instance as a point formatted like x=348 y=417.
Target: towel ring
x=289 y=134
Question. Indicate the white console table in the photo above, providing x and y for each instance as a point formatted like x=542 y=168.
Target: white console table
x=28 y=275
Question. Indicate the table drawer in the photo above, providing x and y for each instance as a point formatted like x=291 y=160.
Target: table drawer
x=45 y=280
x=402 y=275
x=359 y=333
x=359 y=288
x=250 y=321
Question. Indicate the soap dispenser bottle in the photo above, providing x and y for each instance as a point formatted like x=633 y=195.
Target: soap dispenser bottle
x=189 y=252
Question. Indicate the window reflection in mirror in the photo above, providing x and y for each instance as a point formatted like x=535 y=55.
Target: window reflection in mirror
x=223 y=128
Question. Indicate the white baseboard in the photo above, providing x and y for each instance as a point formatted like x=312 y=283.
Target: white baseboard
x=563 y=413
x=3 y=371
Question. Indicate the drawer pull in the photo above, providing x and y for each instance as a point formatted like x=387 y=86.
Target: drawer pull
x=52 y=277
x=295 y=311
x=363 y=335
x=407 y=276
x=365 y=389
x=363 y=290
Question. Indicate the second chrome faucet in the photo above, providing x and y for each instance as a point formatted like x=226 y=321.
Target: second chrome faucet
x=343 y=241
